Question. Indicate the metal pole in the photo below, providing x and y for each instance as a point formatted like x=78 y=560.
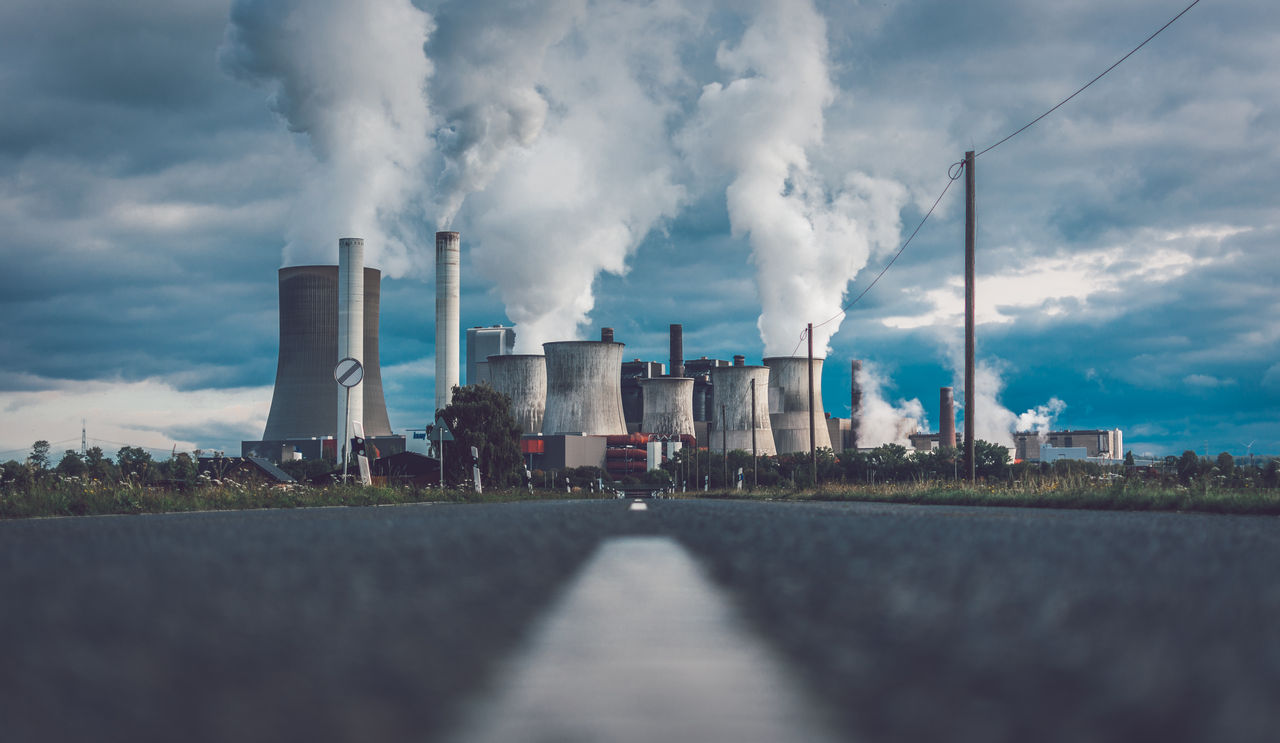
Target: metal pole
x=346 y=427
x=970 y=235
x=724 y=447
x=755 y=466
x=813 y=448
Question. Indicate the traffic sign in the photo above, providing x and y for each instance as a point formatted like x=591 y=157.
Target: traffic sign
x=440 y=432
x=348 y=372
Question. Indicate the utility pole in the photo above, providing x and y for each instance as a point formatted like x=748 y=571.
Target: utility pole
x=724 y=446
x=755 y=465
x=813 y=447
x=970 y=235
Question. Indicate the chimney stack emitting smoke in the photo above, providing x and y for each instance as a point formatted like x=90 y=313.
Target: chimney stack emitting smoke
x=350 y=330
x=855 y=404
x=448 y=258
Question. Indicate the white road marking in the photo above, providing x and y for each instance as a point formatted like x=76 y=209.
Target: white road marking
x=643 y=647
x=638 y=506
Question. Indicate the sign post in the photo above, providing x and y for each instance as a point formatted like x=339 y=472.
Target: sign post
x=439 y=433
x=348 y=373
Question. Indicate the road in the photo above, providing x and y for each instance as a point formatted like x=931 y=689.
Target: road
x=857 y=622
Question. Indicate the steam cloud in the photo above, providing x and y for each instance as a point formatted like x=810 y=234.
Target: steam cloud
x=882 y=422
x=808 y=238
x=993 y=422
x=350 y=77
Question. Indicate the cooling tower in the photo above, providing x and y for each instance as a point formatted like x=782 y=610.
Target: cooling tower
x=668 y=406
x=350 y=330
x=584 y=388
x=946 y=418
x=448 y=330
x=731 y=429
x=304 y=404
x=789 y=403
x=523 y=379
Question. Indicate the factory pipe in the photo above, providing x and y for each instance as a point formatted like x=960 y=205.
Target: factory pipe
x=350 y=334
x=947 y=418
x=448 y=329
x=677 y=350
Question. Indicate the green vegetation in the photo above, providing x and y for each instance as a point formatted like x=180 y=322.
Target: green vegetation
x=136 y=483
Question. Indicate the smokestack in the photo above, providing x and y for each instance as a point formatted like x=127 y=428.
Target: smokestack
x=739 y=360
x=584 y=388
x=947 y=418
x=606 y=335
x=789 y=403
x=350 y=331
x=855 y=404
x=732 y=429
x=677 y=350
x=448 y=258
x=523 y=379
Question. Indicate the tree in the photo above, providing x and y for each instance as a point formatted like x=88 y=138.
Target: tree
x=39 y=458
x=480 y=416
x=1188 y=466
x=1128 y=458
x=100 y=468
x=991 y=460
x=1226 y=465
x=134 y=461
x=72 y=464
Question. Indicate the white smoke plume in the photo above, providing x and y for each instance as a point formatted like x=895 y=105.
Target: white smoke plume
x=600 y=175
x=993 y=422
x=352 y=78
x=489 y=67
x=808 y=238
x=881 y=422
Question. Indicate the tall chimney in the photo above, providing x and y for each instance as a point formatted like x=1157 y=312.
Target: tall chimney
x=350 y=331
x=677 y=350
x=947 y=418
x=448 y=258
x=606 y=335
x=855 y=404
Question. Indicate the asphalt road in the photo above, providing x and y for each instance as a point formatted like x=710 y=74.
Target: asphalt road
x=902 y=623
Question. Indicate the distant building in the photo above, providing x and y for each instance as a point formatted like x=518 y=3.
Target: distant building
x=483 y=342
x=1105 y=444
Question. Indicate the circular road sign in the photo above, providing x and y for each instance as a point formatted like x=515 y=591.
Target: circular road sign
x=348 y=372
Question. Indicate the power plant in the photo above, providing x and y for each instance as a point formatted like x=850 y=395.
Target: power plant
x=579 y=404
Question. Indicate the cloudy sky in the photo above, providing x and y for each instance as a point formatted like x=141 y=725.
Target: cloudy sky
x=739 y=167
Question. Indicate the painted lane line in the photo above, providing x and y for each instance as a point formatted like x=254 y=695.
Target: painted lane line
x=638 y=506
x=643 y=647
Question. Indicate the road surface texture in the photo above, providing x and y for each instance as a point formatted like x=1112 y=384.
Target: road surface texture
x=866 y=622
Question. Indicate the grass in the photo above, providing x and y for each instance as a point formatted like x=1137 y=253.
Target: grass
x=60 y=496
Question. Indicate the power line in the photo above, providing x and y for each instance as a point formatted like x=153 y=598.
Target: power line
x=1060 y=104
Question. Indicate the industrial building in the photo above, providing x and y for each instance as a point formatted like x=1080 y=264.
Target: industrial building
x=1101 y=444
x=483 y=342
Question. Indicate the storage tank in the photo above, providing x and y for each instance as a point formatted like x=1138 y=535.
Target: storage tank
x=523 y=379
x=789 y=403
x=668 y=406
x=304 y=404
x=584 y=388
x=730 y=426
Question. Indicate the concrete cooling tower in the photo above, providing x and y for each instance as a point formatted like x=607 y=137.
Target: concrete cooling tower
x=523 y=379
x=304 y=404
x=730 y=427
x=789 y=403
x=584 y=388
x=668 y=406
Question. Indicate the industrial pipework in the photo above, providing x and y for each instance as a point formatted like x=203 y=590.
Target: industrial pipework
x=789 y=403
x=523 y=379
x=448 y=330
x=584 y=388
